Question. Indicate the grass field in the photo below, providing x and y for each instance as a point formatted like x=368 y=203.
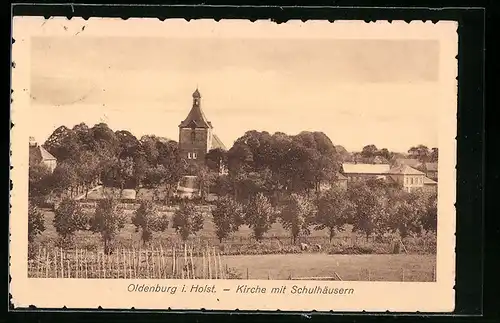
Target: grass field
x=179 y=263
x=241 y=243
x=348 y=267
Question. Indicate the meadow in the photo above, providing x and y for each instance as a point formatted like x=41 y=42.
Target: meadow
x=349 y=256
x=208 y=263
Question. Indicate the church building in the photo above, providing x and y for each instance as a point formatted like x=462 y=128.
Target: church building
x=196 y=134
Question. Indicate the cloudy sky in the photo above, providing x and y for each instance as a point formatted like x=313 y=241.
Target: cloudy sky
x=358 y=92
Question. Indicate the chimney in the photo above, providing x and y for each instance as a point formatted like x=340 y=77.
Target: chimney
x=33 y=142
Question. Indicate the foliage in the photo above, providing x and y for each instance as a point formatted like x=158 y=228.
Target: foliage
x=334 y=211
x=297 y=215
x=370 y=208
x=429 y=218
x=40 y=181
x=227 y=217
x=259 y=215
x=36 y=222
x=108 y=220
x=187 y=220
x=406 y=213
x=69 y=218
x=148 y=218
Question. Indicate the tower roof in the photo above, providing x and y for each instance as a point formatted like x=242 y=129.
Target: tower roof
x=196 y=118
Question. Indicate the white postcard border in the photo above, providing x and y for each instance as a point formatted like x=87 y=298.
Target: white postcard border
x=112 y=293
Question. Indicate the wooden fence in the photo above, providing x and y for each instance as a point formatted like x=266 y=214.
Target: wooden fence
x=175 y=263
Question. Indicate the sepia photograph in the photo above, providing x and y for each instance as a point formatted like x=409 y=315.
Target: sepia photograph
x=235 y=152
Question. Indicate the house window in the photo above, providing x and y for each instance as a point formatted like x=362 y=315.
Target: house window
x=194 y=156
x=189 y=155
x=193 y=136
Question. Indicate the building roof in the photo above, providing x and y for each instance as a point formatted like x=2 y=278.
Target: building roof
x=196 y=118
x=408 y=161
x=428 y=181
x=365 y=168
x=217 y=143
x=404 y=170
x=433 y=167
x=38 y=154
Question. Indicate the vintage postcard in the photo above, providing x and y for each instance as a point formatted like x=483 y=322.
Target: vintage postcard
x=233 y=165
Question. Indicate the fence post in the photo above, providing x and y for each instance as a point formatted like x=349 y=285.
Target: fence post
x=136 y=263
x=173 y=263
x=204 y=264
x=220 y=267
x=86 y=263
x=186 y=263
x=62 y=264
x=124 y=264
x=192 y=261
x=147 y=263
x=68 y=260
x=215 y=264
x=77 y=254
x=162 y=263
x=98 y=260
x=55 y=263
x=209 y=263
x=47 y=262
x=104 y=263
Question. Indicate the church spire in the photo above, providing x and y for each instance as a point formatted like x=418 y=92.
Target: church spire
x=196 y=118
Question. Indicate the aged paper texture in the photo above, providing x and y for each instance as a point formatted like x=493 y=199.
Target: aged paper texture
x=233 y=165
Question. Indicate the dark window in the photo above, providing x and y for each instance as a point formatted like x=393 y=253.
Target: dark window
x=193 y=136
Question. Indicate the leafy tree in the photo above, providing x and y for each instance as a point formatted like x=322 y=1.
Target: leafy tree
x=63 y=144
x=434 y=155
x=227 y=217
x=128 y=145
x=187 y=220
x=149 y=149
x=87 y=169
x=406 y=213
x=370 y=208
x=369 y=151
x=148 y=218
x=386 y=154
x=223 y=185
x=205 y=178
x=334 y=211
x=259 y=215
x=168 y=156
x=421 y=152
x=65 y=177
x=69 y=218
x=297 y=215
x=216 y=159
x=107 y=220
x=36 y=222
x=40 y=182
x=429 y=218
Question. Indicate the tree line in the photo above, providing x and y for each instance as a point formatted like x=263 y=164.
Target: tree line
x=257 y=162
x=373 y=208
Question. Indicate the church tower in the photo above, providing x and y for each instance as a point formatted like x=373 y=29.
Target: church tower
x=196 y=135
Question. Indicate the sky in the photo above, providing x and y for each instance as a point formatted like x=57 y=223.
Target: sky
x=358 y=92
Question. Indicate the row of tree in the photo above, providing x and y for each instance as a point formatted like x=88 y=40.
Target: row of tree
x=372 y=208
x=257 y=162
x=370 y=154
